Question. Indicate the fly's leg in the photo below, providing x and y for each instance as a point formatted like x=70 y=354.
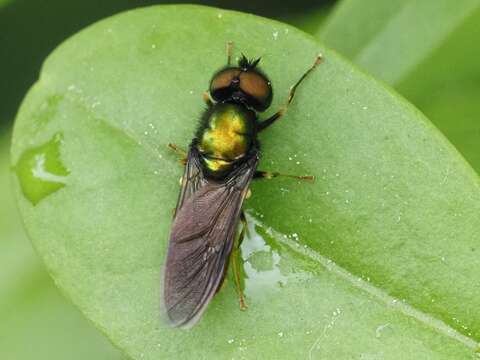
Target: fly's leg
x=235 y=262
x=206 y=95
x=266 y=123
x=229 y=52
x=207 y=99
x=272 y=174
x=183 y=160
x=180 y=152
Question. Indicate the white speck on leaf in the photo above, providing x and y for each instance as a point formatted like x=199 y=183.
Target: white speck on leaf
x=379 y=329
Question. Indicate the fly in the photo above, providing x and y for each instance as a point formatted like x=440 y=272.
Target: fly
x=220 y=163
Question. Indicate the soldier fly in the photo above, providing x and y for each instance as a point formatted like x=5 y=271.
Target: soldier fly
x=219 y=166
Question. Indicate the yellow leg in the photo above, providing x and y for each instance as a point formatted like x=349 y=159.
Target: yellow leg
x=235 y=257
x=266 y=123
x=180 y=152
x=229 y=52
x=270 y=175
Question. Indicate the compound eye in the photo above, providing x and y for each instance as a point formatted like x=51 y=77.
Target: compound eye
x=257 y=87
x=223 y=79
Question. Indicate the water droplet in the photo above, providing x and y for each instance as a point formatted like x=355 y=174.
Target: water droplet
x=280 y=334
x=261 y=264
x=275 y=35
x=40 y=170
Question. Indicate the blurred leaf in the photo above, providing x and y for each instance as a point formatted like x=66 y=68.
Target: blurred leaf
x=390 y=38
x=394 y=205
x=425 y=49
x=4 y=2
x=446 y=86
x=37 y=323
x=309 y=20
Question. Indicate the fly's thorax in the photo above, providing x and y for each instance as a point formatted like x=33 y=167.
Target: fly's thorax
x=227 y=134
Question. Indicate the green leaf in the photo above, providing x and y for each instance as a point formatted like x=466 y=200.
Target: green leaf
x=446 y=87
x=378 y=256
x=390 y=38
x=425 y=50
x=29 y=302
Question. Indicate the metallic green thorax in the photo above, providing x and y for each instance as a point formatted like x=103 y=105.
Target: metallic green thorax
x=227 y=135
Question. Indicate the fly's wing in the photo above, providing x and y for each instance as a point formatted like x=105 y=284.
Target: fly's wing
x=192 y=177
x=201 y=241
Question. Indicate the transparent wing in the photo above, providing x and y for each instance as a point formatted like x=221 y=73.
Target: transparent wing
x=192 y=177
x=201 y=240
